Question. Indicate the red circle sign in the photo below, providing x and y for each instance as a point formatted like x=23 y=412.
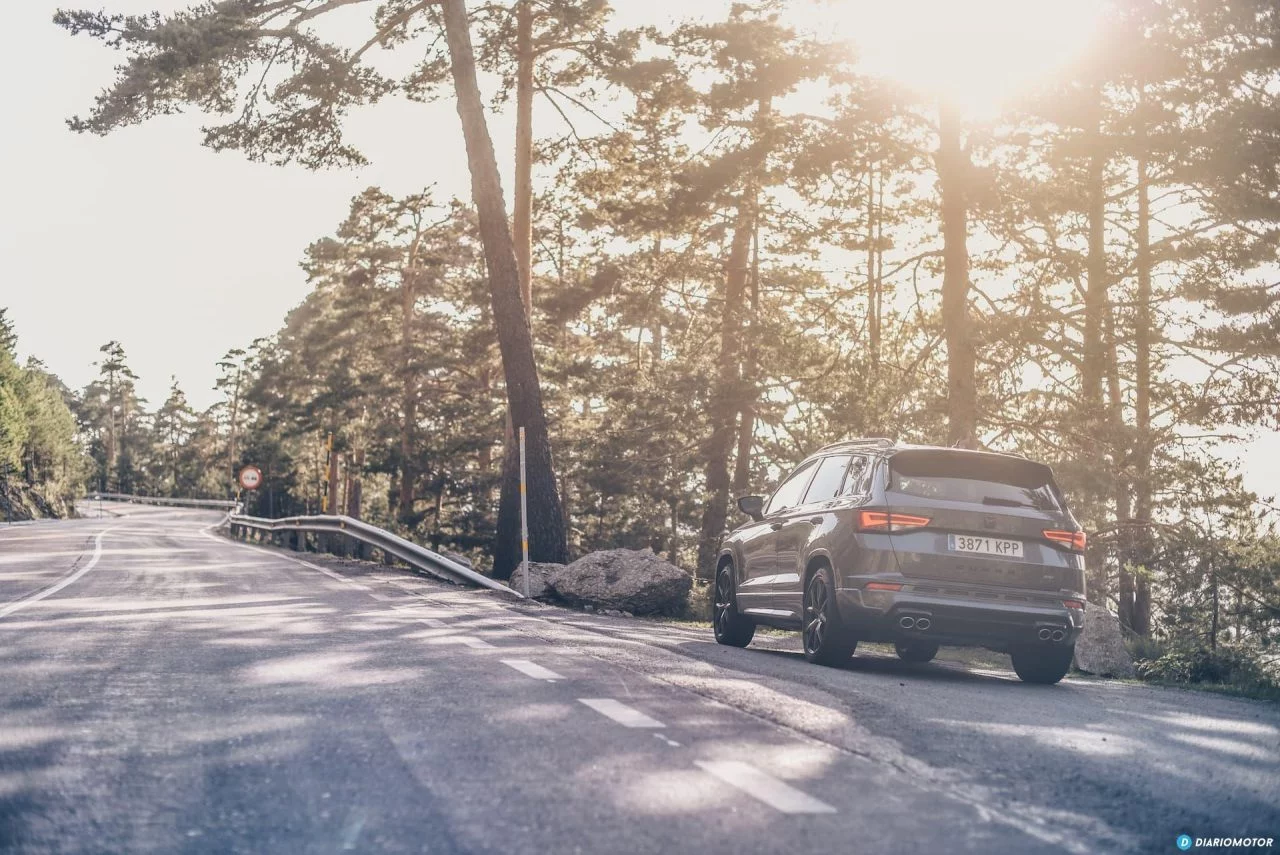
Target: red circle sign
x=250 y=477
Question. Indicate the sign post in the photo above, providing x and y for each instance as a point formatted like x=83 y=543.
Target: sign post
x=524 y=519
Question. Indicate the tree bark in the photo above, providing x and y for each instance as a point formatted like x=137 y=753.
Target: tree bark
x=725 y=401
x=1096 y=293
x=1142 y=395
x=355 y=494
x=522 y=217
x=331 y=505
x=547 y=539
x=1120 y=482
x=873 y=279
x=408 y=401
x=747 y=409
x=953 y=172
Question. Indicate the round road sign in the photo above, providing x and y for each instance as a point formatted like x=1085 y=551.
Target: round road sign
x=250 y=477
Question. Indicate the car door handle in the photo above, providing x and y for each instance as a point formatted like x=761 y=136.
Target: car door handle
x=815 y=520
x=776 y=526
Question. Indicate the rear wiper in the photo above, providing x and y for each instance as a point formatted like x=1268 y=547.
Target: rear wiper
x=1005 y=503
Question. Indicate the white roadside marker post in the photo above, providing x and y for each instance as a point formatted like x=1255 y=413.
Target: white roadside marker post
x=524 y=520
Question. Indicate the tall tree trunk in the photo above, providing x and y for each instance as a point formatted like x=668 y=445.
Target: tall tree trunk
x=1120 y=481
x=1093 y=364
x=953 y=175
x=522 y=217
x=235 y=417
x=724 y=407
x=355 y=494
x=409 y=467
x=547 y=540
x=1096 y=293
x=1142 y=395
x=873 y=279
x=747 y=410
x=331 y=505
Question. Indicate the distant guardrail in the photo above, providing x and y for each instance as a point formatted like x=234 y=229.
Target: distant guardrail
x=216 y=504
x=291 y=532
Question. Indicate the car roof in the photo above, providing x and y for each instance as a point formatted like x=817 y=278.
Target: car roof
x=889 y=447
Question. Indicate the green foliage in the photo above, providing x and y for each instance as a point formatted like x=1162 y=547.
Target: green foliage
x=41 y=461
x=1240 y=669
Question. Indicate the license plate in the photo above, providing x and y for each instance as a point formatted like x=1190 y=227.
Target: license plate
x=985 y=545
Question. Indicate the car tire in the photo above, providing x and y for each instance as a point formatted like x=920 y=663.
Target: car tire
x=1045 y=664
x=731 y=629
x=915 y=652
x=826 y=641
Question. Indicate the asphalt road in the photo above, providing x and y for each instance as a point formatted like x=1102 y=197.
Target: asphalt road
x=165 y=690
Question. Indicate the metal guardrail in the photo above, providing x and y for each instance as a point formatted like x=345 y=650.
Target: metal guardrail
x=295 y=530
x=217 y=504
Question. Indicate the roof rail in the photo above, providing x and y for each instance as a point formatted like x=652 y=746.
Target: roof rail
x=861 y=442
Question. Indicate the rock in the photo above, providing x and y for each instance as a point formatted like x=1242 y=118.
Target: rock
x=1100 y=648
x=623 y=580
x=538 y=575
x=612 y=612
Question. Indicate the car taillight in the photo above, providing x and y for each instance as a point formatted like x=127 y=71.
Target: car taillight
x=1073 y=604
x=1072 y=539
x=887 y=521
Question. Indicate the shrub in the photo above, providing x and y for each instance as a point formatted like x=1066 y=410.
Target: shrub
x=1223 y=665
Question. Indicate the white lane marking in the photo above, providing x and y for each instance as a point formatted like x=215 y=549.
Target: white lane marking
x=531 y=669
x=765 y=787
x=55 y=588
x=665 y=739
x=620 y=712
x=474 y=643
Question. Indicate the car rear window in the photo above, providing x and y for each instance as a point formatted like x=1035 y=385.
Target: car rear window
x=990 y=480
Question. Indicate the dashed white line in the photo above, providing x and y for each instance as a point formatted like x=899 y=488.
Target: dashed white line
x=531 y=669
x=465 y=640
x=620 y=712
x=667 y=740
x=764 y=787
x=55 y=588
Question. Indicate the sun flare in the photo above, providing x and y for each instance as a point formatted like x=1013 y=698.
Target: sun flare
x=975 y=53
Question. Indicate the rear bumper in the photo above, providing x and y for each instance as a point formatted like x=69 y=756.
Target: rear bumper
x=977 y=620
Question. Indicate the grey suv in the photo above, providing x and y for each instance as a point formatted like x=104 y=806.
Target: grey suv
x=871 y=540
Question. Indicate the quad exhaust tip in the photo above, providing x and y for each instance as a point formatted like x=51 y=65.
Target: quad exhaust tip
x=909 y=622
x=1058 y=635
x=1046 y=634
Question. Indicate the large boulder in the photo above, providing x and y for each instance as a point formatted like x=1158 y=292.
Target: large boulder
x=624 y=579
x=1100 y=648
x=539 y=573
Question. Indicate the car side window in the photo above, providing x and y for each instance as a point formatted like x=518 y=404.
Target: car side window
x=826 y=483
x=788 y=494
x=858 y=479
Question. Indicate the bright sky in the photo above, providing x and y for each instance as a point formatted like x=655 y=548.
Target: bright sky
x=181 y=253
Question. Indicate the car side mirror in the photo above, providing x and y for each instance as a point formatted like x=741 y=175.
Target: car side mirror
x=752 y=506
